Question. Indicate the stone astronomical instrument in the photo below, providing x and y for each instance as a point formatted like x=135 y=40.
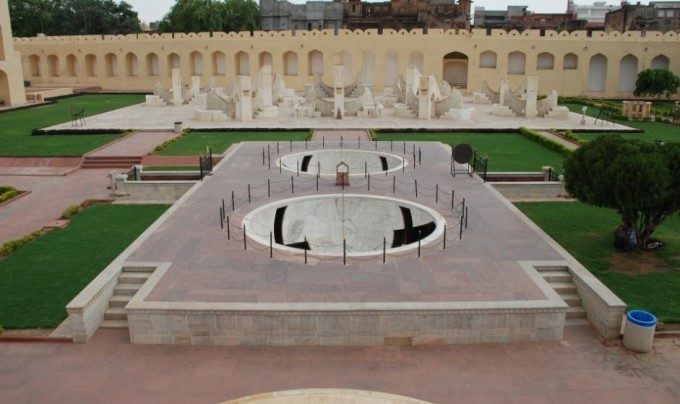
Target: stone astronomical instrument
x=462 y=153
x=359 y=162
x=320 y=224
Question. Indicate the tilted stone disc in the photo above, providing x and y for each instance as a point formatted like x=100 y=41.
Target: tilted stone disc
x=462 y=153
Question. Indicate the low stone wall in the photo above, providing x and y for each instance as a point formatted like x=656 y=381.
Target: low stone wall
x=357 y=328
x=86 y=311
x=152 y=191
x=604 y=309
x=530 y=190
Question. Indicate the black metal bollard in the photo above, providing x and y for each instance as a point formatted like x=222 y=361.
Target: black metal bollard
x=384 y=249
x=344 y=252
x=292 y=185
x=416 y=184
x=305 y=250
x=221 y=219
x=394 y=184
x=249 y=198
x=245 y=239
x=271 y=245
x=278 y=151
x=233 y=203
x=466 y=217
x=436 y=193
x=228 y=229
x=269 y=188
x=444 y=236
x=263 y=157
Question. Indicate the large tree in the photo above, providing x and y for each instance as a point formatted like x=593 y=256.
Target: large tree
x=72 y=17
x=640 y=180
x=211 y=16
x=657 y=82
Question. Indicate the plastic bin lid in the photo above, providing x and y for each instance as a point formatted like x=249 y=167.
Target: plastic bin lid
x=641 y=318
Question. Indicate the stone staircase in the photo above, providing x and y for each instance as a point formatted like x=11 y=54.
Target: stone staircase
x=560 y=279
x=130 y=281
x=110 y=161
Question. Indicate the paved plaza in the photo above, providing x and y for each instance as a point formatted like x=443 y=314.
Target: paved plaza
x=579 y=369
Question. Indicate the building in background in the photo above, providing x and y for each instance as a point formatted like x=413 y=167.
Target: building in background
x=280 y=15
x=594 y=14
x=657 y=16
x=498 y=18
x=356 y=14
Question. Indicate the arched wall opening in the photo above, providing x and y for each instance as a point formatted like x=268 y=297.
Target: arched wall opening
x=570 y=62
x=597 y=74
x=265 y=59
x=242 y=63
x=153 y=65
x=131 y=65
x=111 y=65
x=545 y=61
x=456 y=69
x=219 y=64
x=34 y=65
x=53 y=66
x=661 y=62
x=368 y=68
x=417 y=60
x=315 y=62
x=290 y=64
x=628 y=71
x=174 y=62
x=196 y=63
x=90 y=65
x=71 y=66
x=517 y=63
x=488 y=60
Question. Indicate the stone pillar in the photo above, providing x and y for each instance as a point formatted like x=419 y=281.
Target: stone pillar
x=503 y=92
x=119 y=185
x=176 y=87
x=424 y=98
x=195 y=85
x=532 y=96
x=244 y=106
x=546 y=173
x=265 y=81
x=339 y=92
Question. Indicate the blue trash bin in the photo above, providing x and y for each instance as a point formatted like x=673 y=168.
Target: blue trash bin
x=638 y=333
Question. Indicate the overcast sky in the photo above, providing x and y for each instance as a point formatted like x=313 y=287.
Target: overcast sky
x=152 y=10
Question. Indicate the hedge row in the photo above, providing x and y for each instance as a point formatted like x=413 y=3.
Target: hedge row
x=7 y=193
x=544 y=141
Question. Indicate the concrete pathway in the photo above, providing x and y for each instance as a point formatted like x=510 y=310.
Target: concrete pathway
x=136 y=144
x=48 y=198
x=580 y=369
x=346 y=134
x=569 y=145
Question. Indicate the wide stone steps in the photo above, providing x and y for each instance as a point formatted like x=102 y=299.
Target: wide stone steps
x=110 y=161
x=561 y=280
x=130 y=281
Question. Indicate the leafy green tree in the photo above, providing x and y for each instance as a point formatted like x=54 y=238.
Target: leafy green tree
x=657 y=82
x=211 y=16
x=72 y=17
x=640 y=180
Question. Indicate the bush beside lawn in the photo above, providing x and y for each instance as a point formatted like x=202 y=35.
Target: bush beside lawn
x=41 y=277
x=645 y=280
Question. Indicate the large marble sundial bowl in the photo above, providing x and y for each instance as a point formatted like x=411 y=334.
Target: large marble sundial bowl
x=320 y=223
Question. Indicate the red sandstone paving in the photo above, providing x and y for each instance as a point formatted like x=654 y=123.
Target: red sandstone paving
x=48 y=198
x=579 y=369
x=209 y=268
x=136 y=144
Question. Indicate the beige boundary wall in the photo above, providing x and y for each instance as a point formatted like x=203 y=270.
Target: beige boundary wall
x=11 y=82
x=603 y=65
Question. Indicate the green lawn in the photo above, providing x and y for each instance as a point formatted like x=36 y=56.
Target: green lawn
x=652 y=130
x=16 y=126
x=507 y=152
x=649 y=281
x=195 y=143
x=38 y=280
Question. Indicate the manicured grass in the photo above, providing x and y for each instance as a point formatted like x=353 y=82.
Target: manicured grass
x=195 y=143
x=507 y=152
x=652 y=130
x=16 y=126
x=646 y=280
x=38 y=280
